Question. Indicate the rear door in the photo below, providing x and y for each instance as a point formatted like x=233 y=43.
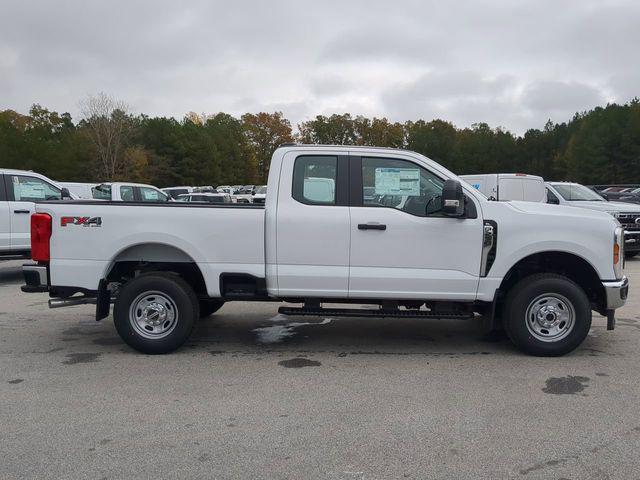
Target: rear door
x=5 y=218
x=533 y=190
x=510 y=188
x=401 y=246
x=22 y=191
x=312 y=226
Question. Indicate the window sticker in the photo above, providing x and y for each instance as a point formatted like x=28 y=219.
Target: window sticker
x=398 y=181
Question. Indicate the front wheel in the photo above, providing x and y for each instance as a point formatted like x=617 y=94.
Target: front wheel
x=547 y=315
x=155 y=312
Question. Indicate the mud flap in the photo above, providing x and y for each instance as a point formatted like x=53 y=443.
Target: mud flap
x=103 y=303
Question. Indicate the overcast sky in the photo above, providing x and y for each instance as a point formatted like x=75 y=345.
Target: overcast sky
x=513 y=64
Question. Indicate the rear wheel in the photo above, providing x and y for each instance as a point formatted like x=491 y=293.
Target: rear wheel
x=155 y=313
x=547 y=315
x=209 y=307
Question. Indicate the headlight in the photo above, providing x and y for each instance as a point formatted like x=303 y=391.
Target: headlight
x=615 y=214
x=618 y=251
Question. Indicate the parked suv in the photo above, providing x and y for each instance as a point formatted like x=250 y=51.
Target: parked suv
x=576 y=195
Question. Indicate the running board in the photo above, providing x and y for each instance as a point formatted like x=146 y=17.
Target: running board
x=352 y=312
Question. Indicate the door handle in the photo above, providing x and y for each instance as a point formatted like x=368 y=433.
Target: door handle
x=21 y=211
x=372 y=226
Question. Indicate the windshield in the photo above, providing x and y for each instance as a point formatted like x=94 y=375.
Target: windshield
x=102 y=192
x=261 y=190
x=574 y=192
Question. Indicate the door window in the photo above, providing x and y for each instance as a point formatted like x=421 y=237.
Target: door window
x=32 y=189
x=126 y=193
x=551 y=197
x=314 y=180
x=402 y=185
x=152 y=195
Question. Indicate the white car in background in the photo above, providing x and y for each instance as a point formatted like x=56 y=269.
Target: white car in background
x=130 y=192
x=225 y=189
x=19 y=190
x=261 y=194
x=205 y=197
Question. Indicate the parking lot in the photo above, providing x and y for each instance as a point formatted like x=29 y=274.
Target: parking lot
x=258 y=395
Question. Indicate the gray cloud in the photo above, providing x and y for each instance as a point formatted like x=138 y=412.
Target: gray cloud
x=513 y=64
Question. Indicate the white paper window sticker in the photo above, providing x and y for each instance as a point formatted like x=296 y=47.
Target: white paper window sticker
x=398 y=181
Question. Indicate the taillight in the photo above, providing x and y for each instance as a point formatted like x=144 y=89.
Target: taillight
x=40 y=235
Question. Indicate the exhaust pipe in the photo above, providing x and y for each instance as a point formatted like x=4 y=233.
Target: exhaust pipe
x=69 y=302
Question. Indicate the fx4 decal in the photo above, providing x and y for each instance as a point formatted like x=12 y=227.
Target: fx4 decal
x=84 y=221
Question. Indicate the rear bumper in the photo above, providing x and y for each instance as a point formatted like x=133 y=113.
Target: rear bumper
x=616 y=293
x=36 y=278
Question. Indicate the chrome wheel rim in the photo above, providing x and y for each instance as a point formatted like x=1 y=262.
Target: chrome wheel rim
x=153 y=315
x=550 y=317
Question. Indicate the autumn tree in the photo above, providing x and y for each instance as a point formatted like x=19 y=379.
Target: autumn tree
x=264 y=133
x=110 y=127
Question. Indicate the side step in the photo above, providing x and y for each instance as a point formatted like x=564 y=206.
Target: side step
x=352 y=312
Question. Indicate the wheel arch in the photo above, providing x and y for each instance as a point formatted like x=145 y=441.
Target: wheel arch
x=141 y=258
x=567 y=264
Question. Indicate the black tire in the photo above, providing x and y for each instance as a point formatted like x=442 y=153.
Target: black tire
x=630 y=254
x=209 y=307
x=531 y=291
x=169 y=291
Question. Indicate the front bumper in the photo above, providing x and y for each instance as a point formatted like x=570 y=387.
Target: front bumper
x=36 y=278
x=616 y=293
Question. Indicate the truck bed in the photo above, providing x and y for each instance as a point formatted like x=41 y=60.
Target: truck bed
x=89 y=236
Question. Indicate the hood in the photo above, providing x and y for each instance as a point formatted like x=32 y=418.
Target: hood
x=607 y=206
x=561 y=210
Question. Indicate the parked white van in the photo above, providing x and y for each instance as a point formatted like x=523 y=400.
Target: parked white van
x=509 y=186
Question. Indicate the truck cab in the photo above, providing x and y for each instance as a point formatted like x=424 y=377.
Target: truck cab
x=19 y=190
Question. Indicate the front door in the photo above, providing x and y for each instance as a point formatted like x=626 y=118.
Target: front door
x=402 y=246
x=23 y=191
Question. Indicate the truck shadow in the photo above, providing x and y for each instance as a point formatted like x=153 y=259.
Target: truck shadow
x=253 y=333
x=10 y=272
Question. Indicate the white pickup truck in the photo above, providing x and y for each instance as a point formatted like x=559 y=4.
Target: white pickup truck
x=19 y=190
x=419 y=243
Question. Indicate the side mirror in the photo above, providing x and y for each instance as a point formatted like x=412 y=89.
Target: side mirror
x=603 y=195
x=65 y=194
x=452 y=199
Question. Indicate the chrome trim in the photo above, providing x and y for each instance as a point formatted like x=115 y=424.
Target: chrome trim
x=616 y=293
x=40 y=269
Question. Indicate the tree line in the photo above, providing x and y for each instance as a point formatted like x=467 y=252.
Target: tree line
x=109 y=143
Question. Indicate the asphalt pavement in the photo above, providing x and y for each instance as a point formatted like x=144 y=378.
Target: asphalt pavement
x=256 y=395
